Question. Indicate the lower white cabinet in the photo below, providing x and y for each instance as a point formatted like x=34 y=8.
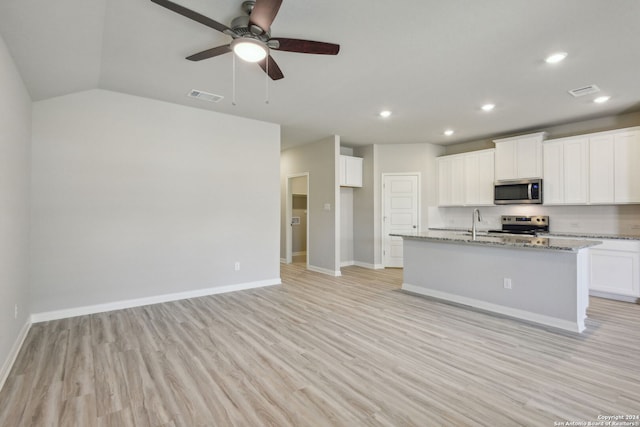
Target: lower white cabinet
x=614 y=267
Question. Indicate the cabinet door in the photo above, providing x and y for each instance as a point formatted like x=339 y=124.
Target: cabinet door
x=553 y=182
x=529 y=157
x=601 y=169
x=505 y=160
x=457 y=181
x=614 y=272
x=350 y=171
x=451 y=176
x=444 y=181
x=576 y=175
x=486 y=171
x=354 y=171
x=627 y=172
x=479 y=188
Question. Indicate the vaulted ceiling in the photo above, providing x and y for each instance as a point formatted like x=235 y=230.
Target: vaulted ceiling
x=433 y=63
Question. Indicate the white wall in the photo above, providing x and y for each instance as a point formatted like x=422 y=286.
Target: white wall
x=134 y=198
x=320 y=160
x=15 y=141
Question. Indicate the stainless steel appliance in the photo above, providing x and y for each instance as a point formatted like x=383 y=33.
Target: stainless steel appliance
x=518 y=191
x=528 y=225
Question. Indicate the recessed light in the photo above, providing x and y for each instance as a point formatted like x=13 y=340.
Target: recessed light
x=448 y=132
x=385 y=113
x=556 y=57
x=601 y=99
x=488 y=107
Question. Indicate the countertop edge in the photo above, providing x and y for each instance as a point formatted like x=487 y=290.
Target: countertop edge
x=551 y=234
x=450 y=236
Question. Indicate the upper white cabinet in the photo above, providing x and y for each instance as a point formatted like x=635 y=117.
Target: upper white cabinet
x=601 y=169
x=597 y=168
x=519 y=157
x=566 y=171
x=350 y=171
x=466 y=179
x=626 y=178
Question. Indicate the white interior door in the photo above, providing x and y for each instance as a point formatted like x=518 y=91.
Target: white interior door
x=400 y=214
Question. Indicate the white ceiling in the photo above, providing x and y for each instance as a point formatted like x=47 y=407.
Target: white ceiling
x=432 y=62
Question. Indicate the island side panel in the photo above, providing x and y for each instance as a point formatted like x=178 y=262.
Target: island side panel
x=548 y=287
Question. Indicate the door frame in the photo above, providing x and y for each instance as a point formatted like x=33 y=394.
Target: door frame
x=382 y=199
x=289 y=215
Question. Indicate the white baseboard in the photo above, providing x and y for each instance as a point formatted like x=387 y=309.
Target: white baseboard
x=13 y=354
x=283 y=260
x=607 y=295
x=119 y=305
x=347 y=263
x=299 y=253
x=324 y=270
x=567 y=325
x=369 y=266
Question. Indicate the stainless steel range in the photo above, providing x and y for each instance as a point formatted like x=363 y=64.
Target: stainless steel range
x=529 y=225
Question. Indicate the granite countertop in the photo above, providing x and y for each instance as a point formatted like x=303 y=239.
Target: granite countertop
x=514 y=241
x=551 y=234
x=581 y=235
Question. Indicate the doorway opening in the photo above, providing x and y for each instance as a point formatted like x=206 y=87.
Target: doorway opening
x=297 y=220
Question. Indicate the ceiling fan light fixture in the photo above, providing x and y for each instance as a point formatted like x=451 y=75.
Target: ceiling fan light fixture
x=250 y=50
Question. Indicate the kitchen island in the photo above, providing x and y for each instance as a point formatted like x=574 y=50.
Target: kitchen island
x=538 y=279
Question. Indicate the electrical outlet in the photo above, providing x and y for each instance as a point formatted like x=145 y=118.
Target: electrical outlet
x=507 y=283
x=15 y=312
x=237 y=266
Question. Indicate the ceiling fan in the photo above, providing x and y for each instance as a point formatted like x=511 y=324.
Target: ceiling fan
x=251 y=35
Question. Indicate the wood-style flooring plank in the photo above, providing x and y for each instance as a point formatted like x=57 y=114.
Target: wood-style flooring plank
x=322 y=351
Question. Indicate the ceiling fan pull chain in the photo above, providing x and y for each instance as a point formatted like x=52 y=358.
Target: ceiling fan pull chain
x=233 y=100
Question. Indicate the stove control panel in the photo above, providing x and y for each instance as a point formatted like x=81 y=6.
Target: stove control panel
x=525 y=220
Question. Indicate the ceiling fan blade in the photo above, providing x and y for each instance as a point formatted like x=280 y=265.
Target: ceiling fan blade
x=264 y=12
x=194 y=15
x=274 y=71
x=306 y=46
x=210 y=53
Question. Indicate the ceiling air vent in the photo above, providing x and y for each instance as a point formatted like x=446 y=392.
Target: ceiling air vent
x=205 y=96
x=585 y=90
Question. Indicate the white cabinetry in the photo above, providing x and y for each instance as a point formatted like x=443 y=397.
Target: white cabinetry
x=566 y=171
x=597 y=168
x=627 y=167
x=601 y=169
x=350 y=171
x=519 y=157
x=615 y=268
x=450 y=181
x=466 y=179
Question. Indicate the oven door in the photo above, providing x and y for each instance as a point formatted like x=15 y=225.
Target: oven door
x=515 y=192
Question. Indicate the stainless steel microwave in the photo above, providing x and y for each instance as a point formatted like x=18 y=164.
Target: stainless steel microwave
x=518 y=191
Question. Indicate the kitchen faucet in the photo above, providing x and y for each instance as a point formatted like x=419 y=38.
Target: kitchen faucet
x=474 y=214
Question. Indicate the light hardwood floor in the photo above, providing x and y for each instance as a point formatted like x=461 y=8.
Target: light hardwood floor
x=322 y=351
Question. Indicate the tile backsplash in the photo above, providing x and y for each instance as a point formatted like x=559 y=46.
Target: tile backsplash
x=614 y=219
